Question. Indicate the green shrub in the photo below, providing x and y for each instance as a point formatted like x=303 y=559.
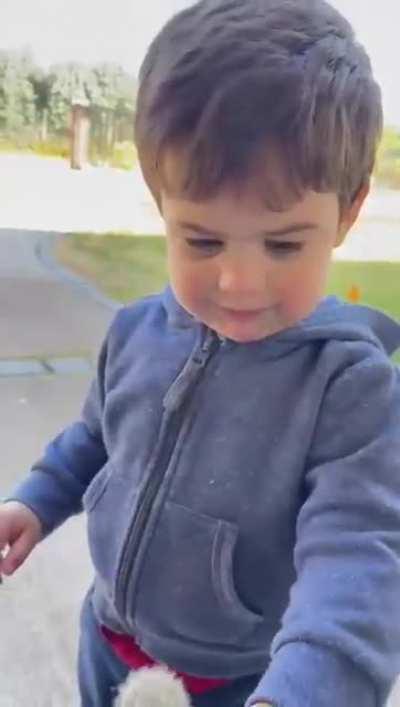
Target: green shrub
x=53 y=147
x=387 y=173
x=387 y=170
x=124 y=155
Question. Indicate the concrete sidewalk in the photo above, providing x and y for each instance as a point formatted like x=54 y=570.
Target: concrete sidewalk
x=39 y=606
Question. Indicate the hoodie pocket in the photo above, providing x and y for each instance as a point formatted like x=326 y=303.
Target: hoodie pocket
x=187 y=587
x=110 y=503
x=96 y=488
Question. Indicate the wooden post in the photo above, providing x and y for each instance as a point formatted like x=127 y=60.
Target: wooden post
x=80 y=129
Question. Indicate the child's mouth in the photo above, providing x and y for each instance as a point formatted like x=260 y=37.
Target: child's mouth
x=243 y=315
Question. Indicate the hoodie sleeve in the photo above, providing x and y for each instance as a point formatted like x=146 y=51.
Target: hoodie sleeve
x=339 y=643
x=56 y=483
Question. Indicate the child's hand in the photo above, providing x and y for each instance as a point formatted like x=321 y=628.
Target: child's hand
x=20 y=531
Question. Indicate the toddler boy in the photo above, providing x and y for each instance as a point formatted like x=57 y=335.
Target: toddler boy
x=238 y=454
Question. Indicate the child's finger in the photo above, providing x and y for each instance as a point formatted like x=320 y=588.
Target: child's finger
x=3 y=552
x=3 y=547
x=17 y=554
x=1 y=566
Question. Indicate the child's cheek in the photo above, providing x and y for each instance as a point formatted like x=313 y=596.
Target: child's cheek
x=189 y=292
x=299 y=300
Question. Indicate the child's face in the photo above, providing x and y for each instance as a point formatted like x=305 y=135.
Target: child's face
x=245 y=271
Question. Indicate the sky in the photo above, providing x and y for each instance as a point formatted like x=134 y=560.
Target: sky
x=120 y=31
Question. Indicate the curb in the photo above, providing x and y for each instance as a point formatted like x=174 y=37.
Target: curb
x=45 y=253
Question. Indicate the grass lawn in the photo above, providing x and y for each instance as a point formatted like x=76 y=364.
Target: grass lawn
x=124 y=267
x=127 y=267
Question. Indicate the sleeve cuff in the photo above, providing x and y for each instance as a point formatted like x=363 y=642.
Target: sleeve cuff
x=306 y=674
x=42 y=494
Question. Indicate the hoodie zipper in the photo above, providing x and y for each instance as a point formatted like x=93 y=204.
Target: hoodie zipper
x=175 y=404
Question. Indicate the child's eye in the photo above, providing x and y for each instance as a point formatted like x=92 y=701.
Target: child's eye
x=204 y=244
x=282 y=248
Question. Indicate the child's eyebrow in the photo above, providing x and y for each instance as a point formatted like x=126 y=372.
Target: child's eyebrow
x=288 y=230
x=276 y=233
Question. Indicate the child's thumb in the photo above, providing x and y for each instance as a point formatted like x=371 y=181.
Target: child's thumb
x=19 y=550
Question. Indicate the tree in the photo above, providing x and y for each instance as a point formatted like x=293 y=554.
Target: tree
x=65 y=82
x=36 y=104
x=112 y=97
x=41 y=84
x=17 y=98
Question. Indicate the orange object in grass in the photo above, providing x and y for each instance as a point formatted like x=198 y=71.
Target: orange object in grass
x=354 y=294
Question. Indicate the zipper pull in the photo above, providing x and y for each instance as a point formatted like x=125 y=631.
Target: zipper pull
x=201 y=356
x=190 y=373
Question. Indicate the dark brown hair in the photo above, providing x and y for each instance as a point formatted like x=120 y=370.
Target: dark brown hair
x=231 y=83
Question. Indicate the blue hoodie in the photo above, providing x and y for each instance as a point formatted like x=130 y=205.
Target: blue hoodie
x=243 y=500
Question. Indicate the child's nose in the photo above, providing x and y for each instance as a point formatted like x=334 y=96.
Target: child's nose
x=242 y=276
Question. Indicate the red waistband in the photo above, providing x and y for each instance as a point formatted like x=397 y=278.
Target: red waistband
x=127 y=650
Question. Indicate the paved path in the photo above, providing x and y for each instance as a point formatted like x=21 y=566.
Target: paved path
x=45 y=195
x=41 y=315
x=39 y=606
x=372 y=239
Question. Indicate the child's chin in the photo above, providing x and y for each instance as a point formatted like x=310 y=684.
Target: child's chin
x=243 y=336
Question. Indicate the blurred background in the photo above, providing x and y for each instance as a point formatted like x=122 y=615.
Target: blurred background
x=79 y=235
x=51 y=59
x=68 y=83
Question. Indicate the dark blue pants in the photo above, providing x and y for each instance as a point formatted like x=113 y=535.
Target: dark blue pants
x=100 y=672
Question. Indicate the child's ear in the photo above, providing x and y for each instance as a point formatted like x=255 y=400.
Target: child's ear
x=351 y=214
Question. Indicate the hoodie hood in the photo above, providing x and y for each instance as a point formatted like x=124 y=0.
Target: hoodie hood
x=332 y=319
